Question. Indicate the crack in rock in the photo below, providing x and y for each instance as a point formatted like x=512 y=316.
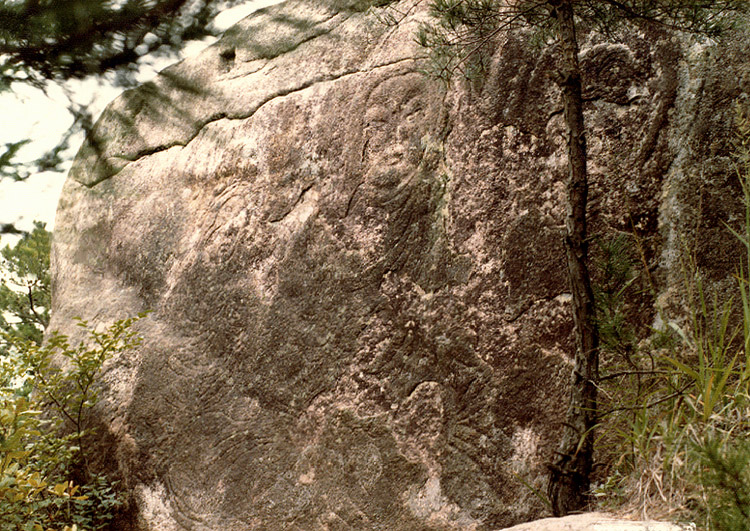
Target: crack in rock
x=113 y=170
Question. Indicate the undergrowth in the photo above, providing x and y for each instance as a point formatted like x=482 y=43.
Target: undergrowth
x=675 y=407
x=46 y=396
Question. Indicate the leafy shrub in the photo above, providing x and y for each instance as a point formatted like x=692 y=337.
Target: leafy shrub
x=47 y=394
x=25 y=287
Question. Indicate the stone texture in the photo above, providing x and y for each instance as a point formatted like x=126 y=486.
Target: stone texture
x=359 y=306
x=593 y=522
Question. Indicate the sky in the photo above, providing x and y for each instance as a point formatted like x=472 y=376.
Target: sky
x=29 y=113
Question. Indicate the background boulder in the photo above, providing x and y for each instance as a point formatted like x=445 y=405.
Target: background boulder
x=359 y=303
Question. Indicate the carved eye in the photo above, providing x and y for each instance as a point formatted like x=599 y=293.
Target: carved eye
x=228 y=55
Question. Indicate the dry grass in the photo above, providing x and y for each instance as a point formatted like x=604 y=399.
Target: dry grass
x=685 y=390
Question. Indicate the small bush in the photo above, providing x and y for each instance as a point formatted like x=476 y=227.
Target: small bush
x=725 y=477
x=47 y=394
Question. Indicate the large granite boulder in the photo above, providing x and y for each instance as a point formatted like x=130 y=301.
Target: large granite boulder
x=360 y=314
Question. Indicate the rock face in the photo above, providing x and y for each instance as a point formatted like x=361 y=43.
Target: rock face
x=593 y=522
x=359 y=305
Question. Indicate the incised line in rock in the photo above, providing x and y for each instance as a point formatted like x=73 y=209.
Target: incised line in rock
x=221 y=116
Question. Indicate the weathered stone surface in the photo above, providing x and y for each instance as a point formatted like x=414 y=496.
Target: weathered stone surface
x=360 y=312
x=593 y=522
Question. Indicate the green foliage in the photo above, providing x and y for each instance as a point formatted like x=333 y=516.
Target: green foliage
x=10 y=168
x=460 y=40
x=25 y=287
x=70 y=389
x=44 y=422
x=723 y=448
x=710 y=343
x=46 y=396
x=617 y=271
x=462 y=34
x=675 y=436
x=45 y=40
x=725 y=476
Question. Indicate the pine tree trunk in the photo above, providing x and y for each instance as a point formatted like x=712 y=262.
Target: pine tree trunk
x=570 y=472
